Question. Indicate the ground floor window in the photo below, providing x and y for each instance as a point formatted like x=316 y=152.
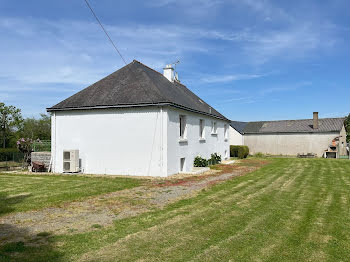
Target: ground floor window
x=182 y=164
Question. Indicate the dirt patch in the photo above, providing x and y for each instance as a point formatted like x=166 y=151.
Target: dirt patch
x=101 y=211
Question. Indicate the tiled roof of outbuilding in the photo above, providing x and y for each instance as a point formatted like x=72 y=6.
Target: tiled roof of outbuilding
x=293 y=126
x=238 y=126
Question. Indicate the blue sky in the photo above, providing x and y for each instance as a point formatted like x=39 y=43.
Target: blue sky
x=250 y=59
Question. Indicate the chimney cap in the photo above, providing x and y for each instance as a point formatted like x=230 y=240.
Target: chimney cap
x=315 y=120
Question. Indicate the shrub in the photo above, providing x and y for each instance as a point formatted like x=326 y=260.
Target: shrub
x=200 y=162
x=259 y=154
x=246 y=151
x=25 y=145
x=8 y=150
x=234 y=151
x=241 y=152
x=10 y=154
x=214 y=159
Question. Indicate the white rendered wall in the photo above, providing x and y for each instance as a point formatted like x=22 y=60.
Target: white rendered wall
x=193 y=146
x=235 y=137
x=112 y=141
x=289 y=144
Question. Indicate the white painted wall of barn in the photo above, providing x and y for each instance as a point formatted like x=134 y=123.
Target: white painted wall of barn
x=194 y=145
x=289 y=144
x=236 y=138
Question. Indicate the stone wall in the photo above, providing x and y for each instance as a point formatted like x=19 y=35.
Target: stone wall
x=43 y=157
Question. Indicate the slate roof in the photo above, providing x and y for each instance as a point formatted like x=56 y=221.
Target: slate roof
x=239 y=126
x=292 y=126
x=136 y=85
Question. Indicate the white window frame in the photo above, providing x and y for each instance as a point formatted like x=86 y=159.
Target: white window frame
x=225 y=132
x=201 y=129
x=182 y=127
x=182 y=165
x=214 y=128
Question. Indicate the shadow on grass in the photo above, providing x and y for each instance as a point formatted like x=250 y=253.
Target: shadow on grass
x=19 y=244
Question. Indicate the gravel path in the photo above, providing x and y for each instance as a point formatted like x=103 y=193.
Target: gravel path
x=102 y=210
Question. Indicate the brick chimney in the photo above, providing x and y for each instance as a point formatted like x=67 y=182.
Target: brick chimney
x=315 y=124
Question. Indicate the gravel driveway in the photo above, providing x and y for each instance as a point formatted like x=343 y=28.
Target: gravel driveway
x=102 y=210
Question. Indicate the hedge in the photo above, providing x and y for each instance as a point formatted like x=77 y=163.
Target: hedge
x=10 y=154
x=239 y=151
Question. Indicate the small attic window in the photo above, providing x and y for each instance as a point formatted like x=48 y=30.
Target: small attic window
x=201 y=101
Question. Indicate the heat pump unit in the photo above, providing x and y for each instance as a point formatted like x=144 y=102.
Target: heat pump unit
x=71 y=161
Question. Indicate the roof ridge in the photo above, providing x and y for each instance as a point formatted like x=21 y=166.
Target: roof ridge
x=157 y=72
x=175 y=83
x=294 y=119
x=147 y=66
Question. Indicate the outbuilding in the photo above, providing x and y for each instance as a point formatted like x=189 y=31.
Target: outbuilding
x=136 y=121
x=325 y=137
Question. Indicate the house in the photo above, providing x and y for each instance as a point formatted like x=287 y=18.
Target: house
x=137 y=121
x=323 y=137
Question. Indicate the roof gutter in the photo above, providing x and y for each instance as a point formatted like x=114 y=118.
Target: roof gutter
x=291 y=132
x=138 y=105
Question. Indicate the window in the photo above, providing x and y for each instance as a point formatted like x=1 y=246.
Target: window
x=201 y=129
x=182 y=120
x=182 y=164
x=213 y=127
x=225 y=132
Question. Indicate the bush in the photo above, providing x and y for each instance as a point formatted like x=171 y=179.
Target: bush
x=8 y=150
x=239 y=151
x=10 y=154
x=259 y=154
x=200 y=162
x=246 y=153
x=234 y=151
x=214 y=159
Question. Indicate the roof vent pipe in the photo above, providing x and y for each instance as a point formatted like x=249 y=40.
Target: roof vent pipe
x=168 y=72
x=315 y=124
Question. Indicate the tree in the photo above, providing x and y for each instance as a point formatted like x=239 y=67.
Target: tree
x=347 y=127
x=37 y=128
x=10 y=121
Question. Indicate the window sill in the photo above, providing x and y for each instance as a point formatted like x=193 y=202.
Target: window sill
x=226 y=139
x=214 y=134
x=183 y=140
x=202 y=140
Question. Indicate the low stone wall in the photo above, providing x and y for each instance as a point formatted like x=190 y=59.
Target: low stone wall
x=43 y=157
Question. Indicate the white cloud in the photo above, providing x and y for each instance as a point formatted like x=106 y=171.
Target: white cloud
x=229 y=78
x=285 y=88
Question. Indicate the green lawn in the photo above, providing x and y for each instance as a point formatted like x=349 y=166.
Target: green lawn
x=289 y=210
x=28 y=192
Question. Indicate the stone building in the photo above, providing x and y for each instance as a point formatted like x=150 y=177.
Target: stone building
x=322 y=137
